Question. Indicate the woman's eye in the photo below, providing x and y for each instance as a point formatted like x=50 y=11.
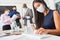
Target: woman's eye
x=38 y=5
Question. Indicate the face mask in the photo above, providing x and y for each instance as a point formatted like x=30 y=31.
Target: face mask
x=24 y=9
x=14 y=10
x=41 y=8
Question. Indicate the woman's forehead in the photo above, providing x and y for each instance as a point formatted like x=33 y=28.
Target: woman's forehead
x=37 y=3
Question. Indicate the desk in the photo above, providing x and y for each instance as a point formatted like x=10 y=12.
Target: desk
x=24 y=37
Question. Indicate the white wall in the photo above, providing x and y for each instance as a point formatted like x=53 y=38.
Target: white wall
x=56 y=1
x=51 y=3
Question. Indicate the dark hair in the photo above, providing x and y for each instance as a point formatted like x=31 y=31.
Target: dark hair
x=39 y=17
x=25 y=5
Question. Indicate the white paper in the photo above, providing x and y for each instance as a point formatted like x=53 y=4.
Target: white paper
x=14 y=17
x=27 y=37
x=32 y=37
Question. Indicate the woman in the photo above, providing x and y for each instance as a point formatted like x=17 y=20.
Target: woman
x=47 y=20
x=6 y=20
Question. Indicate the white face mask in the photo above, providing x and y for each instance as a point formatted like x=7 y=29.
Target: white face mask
x=41 y=8
x=24 y=8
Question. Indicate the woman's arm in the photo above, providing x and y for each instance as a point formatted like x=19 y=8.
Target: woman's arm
x=56 y=17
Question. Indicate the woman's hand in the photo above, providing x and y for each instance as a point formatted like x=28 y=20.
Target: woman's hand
x=18 y=16
x=41 y=31
x=23 y=17
x=33 y=28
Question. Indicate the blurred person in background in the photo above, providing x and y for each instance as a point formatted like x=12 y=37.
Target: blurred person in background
x=15 y=12
x=27 y=12
x=6 y=20
x=47 y=20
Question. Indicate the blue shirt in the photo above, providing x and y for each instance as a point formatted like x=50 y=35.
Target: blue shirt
x=14 y=13
x=49 y=21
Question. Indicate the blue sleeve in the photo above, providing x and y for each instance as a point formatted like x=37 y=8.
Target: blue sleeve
x=10 y=14
x=17 y=13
